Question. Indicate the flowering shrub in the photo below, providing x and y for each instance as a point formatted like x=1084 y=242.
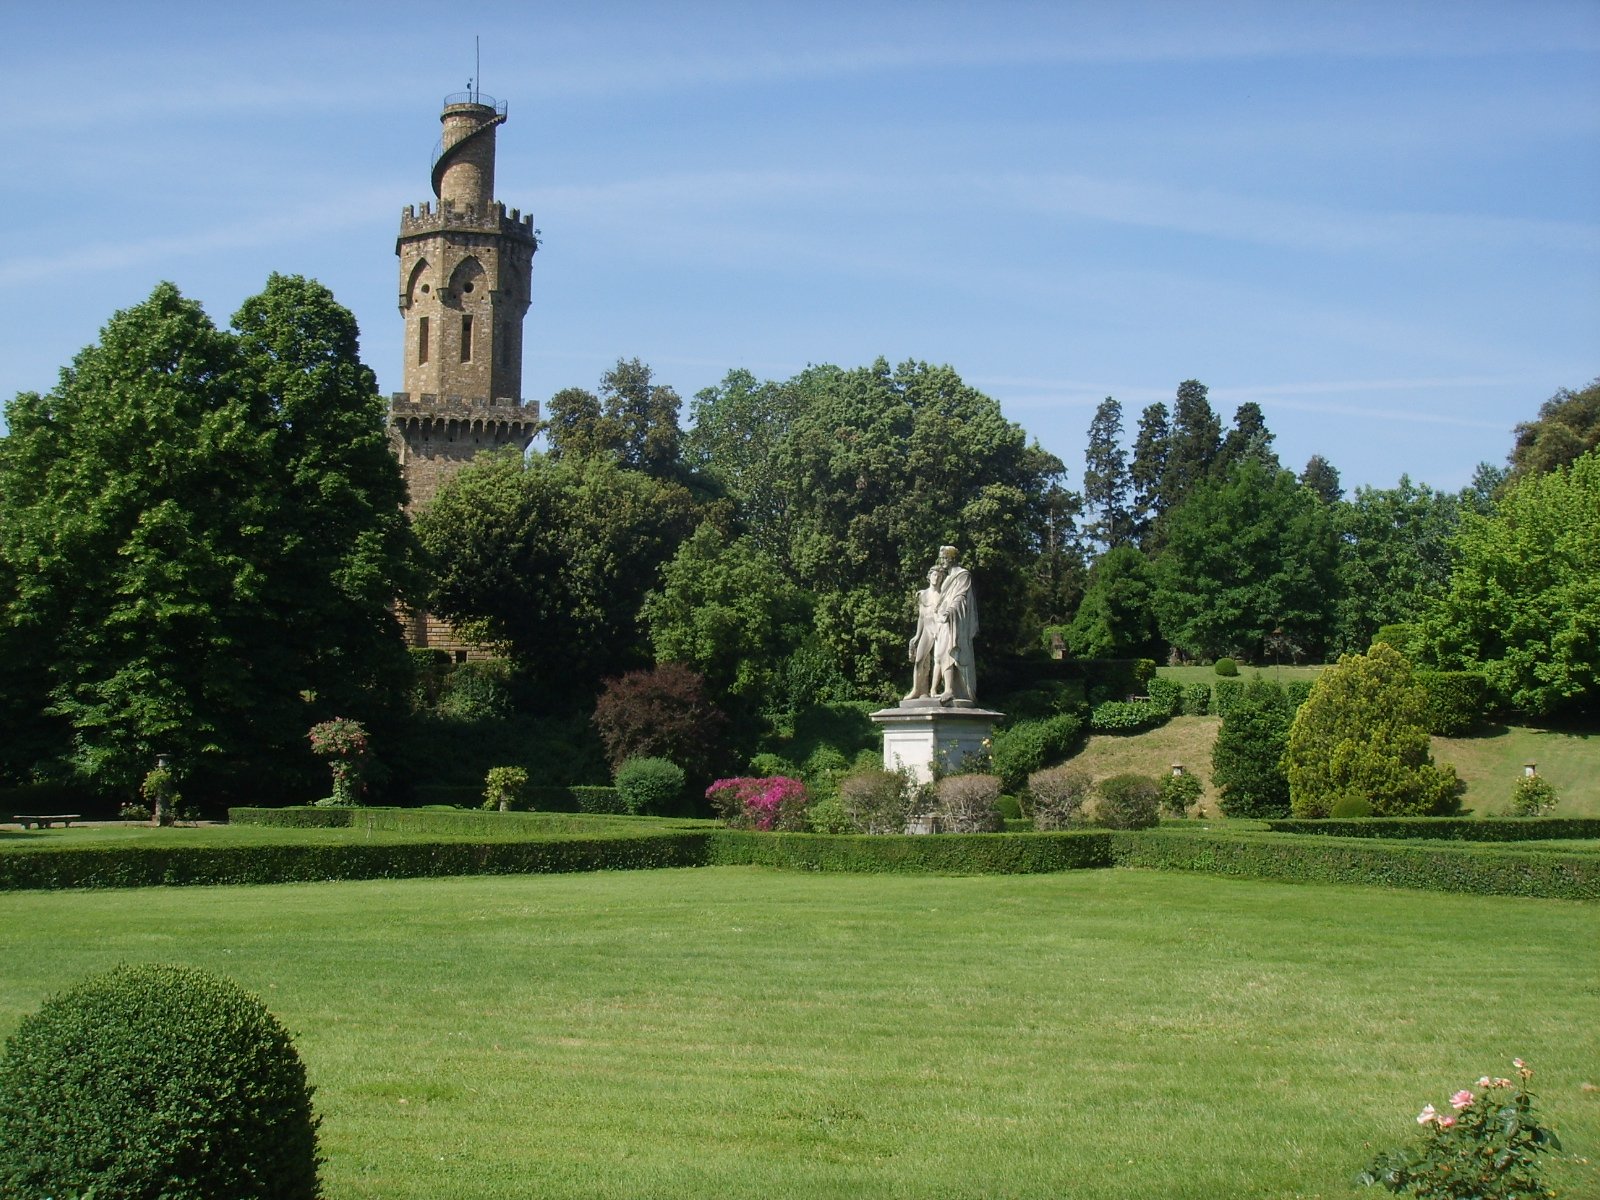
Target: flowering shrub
x=343 y=742
x=1533 y=798
x=1485 y=1148
x=773 y=802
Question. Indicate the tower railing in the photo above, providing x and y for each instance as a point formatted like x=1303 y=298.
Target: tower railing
x=482 y=98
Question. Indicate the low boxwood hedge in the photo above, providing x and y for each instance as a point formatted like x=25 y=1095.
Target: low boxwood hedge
x=1455 y=829
x=932 y=854
x=1480 y=870
x=97 y=865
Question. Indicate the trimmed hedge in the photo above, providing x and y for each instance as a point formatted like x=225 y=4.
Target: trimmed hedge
x=297 y=817
x=1128 y=716
x=1196 y=699
x=919 y=854
x=1477 y=870
x=1459 y=829
x=93 y=865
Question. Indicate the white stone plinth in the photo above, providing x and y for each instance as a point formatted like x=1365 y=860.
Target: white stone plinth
x=920 y=732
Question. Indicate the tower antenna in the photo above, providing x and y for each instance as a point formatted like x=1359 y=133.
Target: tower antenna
x=477 y=64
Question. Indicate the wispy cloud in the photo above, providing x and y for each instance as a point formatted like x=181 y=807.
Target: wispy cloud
x=345 y=211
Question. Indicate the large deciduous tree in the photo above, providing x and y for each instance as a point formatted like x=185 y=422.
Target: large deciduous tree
x=633 y=421
x=737 y=428
x=1116 y=618
x=202 y=536
x=881 y=468
x=1395 y=556
x=729 y=610
x=1524 y=599
x=551 y=559
x=1568 y=426
x=1360 y=743
x=1248 y=567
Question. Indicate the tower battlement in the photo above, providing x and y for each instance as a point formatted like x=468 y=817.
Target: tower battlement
x=417 y=220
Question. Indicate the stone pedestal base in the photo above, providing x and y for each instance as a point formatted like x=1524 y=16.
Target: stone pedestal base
x=920 y=733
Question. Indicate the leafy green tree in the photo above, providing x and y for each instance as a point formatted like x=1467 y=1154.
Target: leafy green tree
x=881 y=467
x=1322 y=477
x=728 y=610
x=551 y=559
x=1395 y=557
x=1524 y=599
x=1568 y=426
x=1248 y=567
x=183 y=518
x=633 y=421
x=1116 y=618
x=737 y=428
x=1107 y=486
x=1361 y=738
x=344 y=548
x=1151 y=447
x=1246 y=759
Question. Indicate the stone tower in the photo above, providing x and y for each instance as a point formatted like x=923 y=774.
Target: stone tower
x=466 y=265
x=465 y=269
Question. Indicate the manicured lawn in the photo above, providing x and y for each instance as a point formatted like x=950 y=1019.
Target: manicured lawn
x=733 y=1032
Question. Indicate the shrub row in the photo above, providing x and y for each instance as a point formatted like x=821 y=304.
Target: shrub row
x=109 y=866
x=1473 y=869
x=1459 y=829
x=1129 y=716
x=937 y=854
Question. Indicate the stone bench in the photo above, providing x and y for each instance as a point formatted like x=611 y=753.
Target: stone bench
x=62 y=819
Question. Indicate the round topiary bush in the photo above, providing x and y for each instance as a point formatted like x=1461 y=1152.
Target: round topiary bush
x=1226 y=667
x=650 y=786
x=156 y=1081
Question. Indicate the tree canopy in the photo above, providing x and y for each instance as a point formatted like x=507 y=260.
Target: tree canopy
x=1248 y=568
x=883 y=467
x=203 y=538
x=1523 y=602
x=551 y=559
x=1567 y=427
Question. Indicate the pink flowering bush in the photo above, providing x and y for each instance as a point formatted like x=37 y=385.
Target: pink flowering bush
x=1484 y=1147
x=343 y=742
x=772 y=802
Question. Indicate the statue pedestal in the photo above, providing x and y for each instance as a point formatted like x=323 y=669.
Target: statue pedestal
x=919 y=733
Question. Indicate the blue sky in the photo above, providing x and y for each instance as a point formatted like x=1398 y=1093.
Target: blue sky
x=1379 y=222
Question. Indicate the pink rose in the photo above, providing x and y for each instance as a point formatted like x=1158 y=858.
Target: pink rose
x=1427 y=1116
x=1461 y=1099
x=1446 y=1121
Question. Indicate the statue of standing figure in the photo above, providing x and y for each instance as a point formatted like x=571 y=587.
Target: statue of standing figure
x=943 y=668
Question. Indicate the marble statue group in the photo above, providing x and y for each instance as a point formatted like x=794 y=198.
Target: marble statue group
x=942 y=667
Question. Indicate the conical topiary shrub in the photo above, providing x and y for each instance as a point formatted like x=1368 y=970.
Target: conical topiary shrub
x=156 y=1081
